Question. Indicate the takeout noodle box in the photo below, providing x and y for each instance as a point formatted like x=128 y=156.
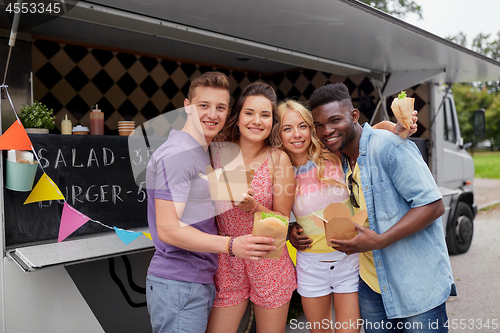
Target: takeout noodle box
x=20 y=156
x=340 y=223
x=403 y=109
x=278 y=232
x=229 y=185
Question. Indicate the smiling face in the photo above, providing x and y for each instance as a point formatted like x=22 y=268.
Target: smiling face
x=212 y=108
x=255 y=120
x=334 y=125
x=296 y=136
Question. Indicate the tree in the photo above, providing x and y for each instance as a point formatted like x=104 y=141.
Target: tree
x=469 y=98
x=493 y=122
x=486 y=95
x=398 y=8
x=482 y=44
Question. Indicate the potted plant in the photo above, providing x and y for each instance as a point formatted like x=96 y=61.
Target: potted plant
x=37 y=118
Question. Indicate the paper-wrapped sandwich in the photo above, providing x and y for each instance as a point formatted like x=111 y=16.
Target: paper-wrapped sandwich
x=402 y=107
x=274 y=226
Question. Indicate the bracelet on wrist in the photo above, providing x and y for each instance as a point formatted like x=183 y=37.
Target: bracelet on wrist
x=227 y=245
x=230 y=252
x=255 y=208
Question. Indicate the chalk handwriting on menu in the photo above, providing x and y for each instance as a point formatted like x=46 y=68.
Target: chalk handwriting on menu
x=68 y=158
x=78 y=158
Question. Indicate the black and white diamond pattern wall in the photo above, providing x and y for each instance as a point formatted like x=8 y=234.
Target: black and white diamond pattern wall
x=72 y=79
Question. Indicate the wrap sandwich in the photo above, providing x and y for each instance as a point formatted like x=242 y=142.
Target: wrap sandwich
x=402 y=107
x=274 y=226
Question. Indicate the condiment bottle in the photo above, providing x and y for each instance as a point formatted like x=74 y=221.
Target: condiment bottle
x=66 y=126
x=96 y=122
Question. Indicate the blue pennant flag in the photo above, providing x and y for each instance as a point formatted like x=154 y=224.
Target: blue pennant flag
x=126 y=236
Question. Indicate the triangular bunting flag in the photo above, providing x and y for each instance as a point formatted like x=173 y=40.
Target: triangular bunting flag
x=15 y=137
x=71 y=220
x=45 y=189
x=292 y=252
x=126 y=236
x=148 y=235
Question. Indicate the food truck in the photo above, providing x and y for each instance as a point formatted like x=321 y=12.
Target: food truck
x=135 y=61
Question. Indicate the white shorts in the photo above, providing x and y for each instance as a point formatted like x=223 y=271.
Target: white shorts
x=316 y=278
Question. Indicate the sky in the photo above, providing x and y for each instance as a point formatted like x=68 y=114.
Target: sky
x=448 y=17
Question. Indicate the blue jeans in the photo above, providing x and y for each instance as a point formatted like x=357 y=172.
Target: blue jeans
x=177 y=306
x=375 y=320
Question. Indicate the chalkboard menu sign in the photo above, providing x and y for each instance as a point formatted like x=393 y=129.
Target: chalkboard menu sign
x=95 y=176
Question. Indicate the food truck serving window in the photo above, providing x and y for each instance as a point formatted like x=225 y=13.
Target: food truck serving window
x=94 y=174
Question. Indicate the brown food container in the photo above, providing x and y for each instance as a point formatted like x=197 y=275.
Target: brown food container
x=229 y=185
x=340 y=224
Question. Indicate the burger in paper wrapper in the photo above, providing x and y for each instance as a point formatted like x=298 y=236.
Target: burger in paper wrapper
x=274 y=226
x=402 y=107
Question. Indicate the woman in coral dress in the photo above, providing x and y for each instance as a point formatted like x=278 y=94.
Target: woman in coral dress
x=254 y=127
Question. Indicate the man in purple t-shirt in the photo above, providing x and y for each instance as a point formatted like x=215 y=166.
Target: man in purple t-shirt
x=180 y=283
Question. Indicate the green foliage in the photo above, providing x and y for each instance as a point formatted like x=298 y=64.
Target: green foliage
x=402 y=95
x=486 y=45
x=37 y=115
x=469 y=98
x=487 y=165
x=493 y=121
x=398 y=8
x=486 y=95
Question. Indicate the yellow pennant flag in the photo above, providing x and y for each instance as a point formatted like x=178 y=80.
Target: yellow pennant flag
x=44 y=190
x=292 y=252
x=148 y=235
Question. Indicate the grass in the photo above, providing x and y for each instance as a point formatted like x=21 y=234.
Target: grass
x=486 y=209
x=487 y=164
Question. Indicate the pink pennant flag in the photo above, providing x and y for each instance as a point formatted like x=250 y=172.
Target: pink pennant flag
x=71 y=220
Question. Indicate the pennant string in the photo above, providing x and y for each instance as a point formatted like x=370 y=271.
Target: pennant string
x=10 y=100
x=38 y=160
x=104 y=225
x=50 y=180
x=132 y=232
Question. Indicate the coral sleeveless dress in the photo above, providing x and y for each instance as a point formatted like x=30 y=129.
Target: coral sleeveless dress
x=269 y=283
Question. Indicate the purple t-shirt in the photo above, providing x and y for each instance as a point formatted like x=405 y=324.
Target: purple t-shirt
x=174 y=174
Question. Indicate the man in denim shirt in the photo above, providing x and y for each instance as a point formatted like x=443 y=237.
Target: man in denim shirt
x=404 y=265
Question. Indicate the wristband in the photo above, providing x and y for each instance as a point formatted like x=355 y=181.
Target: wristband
x=230 y=252
x=227 y=245
x=254 y=209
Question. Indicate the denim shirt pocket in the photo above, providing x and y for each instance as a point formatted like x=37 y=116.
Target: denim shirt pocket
x=384 y=201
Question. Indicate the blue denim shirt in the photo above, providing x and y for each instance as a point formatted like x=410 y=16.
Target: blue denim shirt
x=414 y=273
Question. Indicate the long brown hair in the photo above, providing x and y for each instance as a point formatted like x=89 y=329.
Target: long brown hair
x=255 y=89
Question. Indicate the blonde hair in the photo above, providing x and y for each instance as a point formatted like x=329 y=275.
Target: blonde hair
x=317 y=152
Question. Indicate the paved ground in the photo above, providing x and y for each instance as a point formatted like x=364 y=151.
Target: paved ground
x=476 y=273
x=486 y=191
